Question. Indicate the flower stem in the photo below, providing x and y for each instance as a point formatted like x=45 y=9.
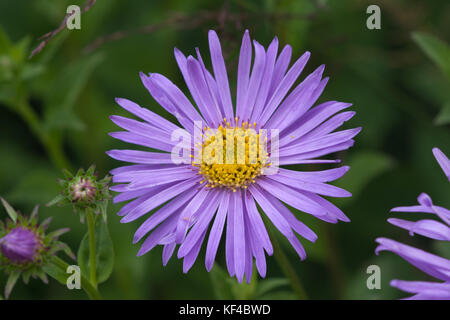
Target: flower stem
x=287 y=268
x=85 y=284
x=335 y=266
x=50 y=142
x=92 y=248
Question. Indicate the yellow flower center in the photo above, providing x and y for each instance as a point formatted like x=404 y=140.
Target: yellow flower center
x=231 y=157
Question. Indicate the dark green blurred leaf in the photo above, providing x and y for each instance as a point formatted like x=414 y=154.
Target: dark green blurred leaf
x=265 y=286
x=221 y=284
x=5 y=43
x=36 y=187
x=65 y=92
x=437 y=50
x=364 y=166
x=31 y=71
x=444 y=115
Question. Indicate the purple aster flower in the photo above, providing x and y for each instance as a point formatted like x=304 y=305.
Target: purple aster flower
x=20 y=245
x=25 y=246
x=228 y=177
x=433 y=265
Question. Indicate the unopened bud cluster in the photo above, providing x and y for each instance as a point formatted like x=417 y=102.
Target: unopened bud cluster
x=83 y=191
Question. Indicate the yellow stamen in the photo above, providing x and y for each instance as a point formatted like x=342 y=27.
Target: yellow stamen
x=235 y=164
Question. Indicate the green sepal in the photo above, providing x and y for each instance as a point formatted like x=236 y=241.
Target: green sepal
x=11 y=283
x=11 y=212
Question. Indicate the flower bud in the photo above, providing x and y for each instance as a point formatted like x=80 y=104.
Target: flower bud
x=20 y=245
x=83 y=191
x=25 y=247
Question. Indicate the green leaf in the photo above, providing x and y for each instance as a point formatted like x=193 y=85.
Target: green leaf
x=34 y=186
x=5 y=43
x=11 y=282
x=221 y=284
x=437 y=50
x=444 y=115
x=104 y=251
x=268 y=285
x=244 y=290
x=65 y=92
x=56 y=272
x=11 y=212
x=364 y=167
x=31 y=71
x=19 y=51
x=55 y=200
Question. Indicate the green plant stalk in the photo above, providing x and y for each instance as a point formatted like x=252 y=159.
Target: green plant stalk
x=51 y=145
x=85 y=284
x=287 y=268
x=92 y=249
x=333 y=261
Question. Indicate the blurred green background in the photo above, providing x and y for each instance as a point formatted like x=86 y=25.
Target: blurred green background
x=54 y=111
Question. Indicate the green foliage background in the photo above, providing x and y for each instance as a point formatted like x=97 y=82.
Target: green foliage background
x=54 y=111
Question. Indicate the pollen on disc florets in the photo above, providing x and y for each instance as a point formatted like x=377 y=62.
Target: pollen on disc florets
x=231 y=157
x=83 y=189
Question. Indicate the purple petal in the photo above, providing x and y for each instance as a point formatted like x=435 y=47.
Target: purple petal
x=258 y=227
x=295 y=224
x=320 y=143
x=152 y=240
x=318 y=176
x=162 y=214
x=216 y=231
x=431 y=264
x=202 y=196
x=143 y=157
x=201 y=92
x=159 y=199
x=292 y=197
x=281 y=65
x=443 y=161
x=328 y=126
x=190 y=258
x=147 y=115
x=229 y=241
x=239 y=236
x=419 y=286
x=284 y=86
x=312 y=119
x=220 y=73
x=201 y=225
x=146 y=141
x=245 y=60
x=263 y=92
x=296 y=104
x=255 y=81
x=428 y=228
x=168 y=252
x=316 y=187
